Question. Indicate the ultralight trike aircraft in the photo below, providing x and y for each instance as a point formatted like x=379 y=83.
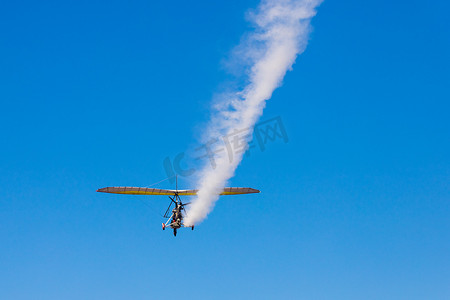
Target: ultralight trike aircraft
x=174 y=216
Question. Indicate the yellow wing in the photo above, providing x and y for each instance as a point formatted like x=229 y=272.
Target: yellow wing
x=151 y=191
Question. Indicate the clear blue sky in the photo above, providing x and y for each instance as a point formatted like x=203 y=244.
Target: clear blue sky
x=354 y=206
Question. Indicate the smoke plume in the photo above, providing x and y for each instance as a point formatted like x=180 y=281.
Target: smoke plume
x=281 y=30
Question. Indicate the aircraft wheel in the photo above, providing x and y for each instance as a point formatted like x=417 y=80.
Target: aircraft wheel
x=192 y=227
x=163 y=226
x=175 y=232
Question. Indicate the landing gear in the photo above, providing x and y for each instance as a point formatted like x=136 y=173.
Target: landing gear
x=192 y=227
x=163 y=226
x=174 y=232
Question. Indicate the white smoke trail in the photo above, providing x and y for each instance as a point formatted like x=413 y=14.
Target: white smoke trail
x=281 y=33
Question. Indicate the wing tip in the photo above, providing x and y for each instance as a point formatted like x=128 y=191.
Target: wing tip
x=102 y=190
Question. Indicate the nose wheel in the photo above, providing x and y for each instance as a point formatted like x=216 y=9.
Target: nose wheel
x=174 y=232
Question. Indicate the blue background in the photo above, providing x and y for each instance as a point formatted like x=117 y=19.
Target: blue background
x=98 y=93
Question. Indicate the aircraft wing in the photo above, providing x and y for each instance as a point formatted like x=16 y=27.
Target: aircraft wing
x=239 y=191
x=151 y=191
